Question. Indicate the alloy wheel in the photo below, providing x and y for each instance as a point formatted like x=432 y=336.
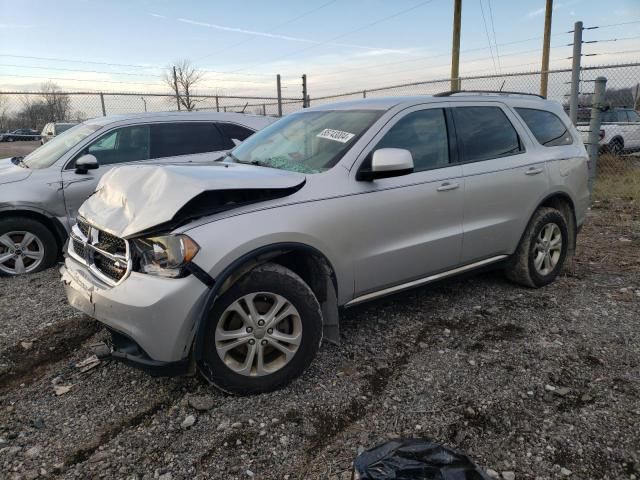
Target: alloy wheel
x=258 y=334
x=547 y=249
x=20 y=252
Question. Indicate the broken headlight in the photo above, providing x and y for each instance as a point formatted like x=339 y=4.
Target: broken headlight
x=164 y=256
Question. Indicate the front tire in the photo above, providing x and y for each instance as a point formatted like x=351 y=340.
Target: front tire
x=261 y=333
x=26 y=246
x=542 y=250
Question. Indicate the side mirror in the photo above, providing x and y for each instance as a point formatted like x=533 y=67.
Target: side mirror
x=388 y=162
x=86 y=162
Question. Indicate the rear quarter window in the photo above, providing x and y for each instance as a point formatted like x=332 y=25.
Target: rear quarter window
x=548 y=129
x=235 y=132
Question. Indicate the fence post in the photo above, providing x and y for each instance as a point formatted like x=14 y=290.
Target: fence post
x=217 y=104
x=364 y=94
x=175 y=85
x=264 y=109
x=304 y=91
x=104 y=111
x=593 y=142
x=279 y=90
x=575 y=72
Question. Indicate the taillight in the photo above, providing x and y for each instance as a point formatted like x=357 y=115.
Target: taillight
x=601 y=135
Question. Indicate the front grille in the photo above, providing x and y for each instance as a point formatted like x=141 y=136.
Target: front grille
x=111 y=243
x=79 y=248
x=84 y=227
x=106 y=255
x=109 y=267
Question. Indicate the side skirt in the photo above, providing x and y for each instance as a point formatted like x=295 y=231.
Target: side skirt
x=423 y=281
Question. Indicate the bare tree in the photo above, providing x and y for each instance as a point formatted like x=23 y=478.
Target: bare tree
x=56 y=102
x=183 y=83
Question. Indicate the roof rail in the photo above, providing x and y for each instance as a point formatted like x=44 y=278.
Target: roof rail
x=501 y=92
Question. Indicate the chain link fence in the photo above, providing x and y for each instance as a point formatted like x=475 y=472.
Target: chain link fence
x=619 y=133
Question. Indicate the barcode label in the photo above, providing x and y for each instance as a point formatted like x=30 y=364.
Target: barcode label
x=336 y=135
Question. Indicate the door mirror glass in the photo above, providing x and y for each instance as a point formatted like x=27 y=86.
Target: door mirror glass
x=86 y=162
x=388 y=162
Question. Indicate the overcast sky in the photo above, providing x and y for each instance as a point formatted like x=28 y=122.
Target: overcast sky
x=341 y=45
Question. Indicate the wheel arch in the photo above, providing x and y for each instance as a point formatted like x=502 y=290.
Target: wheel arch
x=562 y=202
x=306 y=261
x=53 y=224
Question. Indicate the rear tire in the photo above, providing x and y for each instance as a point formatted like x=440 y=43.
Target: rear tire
x=26 y=246
x=275 y=322
x=542 y=250
x=616 y=146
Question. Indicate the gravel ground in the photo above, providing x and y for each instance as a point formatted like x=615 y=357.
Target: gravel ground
x=540 y=384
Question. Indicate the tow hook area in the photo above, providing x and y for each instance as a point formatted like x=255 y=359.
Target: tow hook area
x=126 y=350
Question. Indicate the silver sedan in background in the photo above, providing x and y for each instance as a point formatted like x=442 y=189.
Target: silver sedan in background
x=41 y=193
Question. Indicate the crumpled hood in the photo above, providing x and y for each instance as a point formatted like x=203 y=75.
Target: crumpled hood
x=132 y=199
x=10 y=173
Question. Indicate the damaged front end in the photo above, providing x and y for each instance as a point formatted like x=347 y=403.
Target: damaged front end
x=126 y=268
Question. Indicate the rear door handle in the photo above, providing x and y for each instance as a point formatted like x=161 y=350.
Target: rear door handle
x=533 y=171
x=447 y=186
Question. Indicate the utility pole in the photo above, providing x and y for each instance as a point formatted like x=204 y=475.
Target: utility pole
x=304 y=91
x=575 y=72
x=279 y=89
x=455 y=49
x=544 y=70
x=175 y=86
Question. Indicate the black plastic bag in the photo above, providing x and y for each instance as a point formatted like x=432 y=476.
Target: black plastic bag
x=415 y=459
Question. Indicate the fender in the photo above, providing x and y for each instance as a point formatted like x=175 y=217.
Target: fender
x=215 y=285
x=54 y=223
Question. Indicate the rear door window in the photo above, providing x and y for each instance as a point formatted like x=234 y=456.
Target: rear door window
x=546 y=127
x=185 y=138
x=484 y=133
x=633 y=116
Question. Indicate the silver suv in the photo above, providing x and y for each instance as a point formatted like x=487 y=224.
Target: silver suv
x=41 y=193
x=239 y=269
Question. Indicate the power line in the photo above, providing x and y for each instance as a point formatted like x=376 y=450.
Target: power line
x=81 y=71
x=495 y=39
x=338 y=37
x=426 y=57
x=616 y=24
x=79 y=80
x=486 y=31
x=309 y=12
x=148 y=67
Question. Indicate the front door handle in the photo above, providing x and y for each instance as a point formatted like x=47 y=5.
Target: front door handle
x=448 y=186
x=533 y=171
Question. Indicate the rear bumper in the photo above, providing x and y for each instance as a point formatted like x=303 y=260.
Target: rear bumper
x=158 y=315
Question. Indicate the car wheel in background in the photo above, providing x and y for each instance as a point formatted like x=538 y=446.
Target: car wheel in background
x=542 y=250
x=10 y=139
x=261 y=333
x=26 y=246
x=616 y=146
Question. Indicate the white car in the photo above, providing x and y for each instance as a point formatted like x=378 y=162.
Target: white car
x=619 y=130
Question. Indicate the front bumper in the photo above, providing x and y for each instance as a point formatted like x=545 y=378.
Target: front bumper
x=157 y=314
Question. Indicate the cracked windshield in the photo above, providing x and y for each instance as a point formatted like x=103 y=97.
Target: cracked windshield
x=308 y=142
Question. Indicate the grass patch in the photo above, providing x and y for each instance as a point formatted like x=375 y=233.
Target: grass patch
x=618 y=177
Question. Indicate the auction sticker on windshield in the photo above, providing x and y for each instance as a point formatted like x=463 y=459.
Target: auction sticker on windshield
x=336 y=135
